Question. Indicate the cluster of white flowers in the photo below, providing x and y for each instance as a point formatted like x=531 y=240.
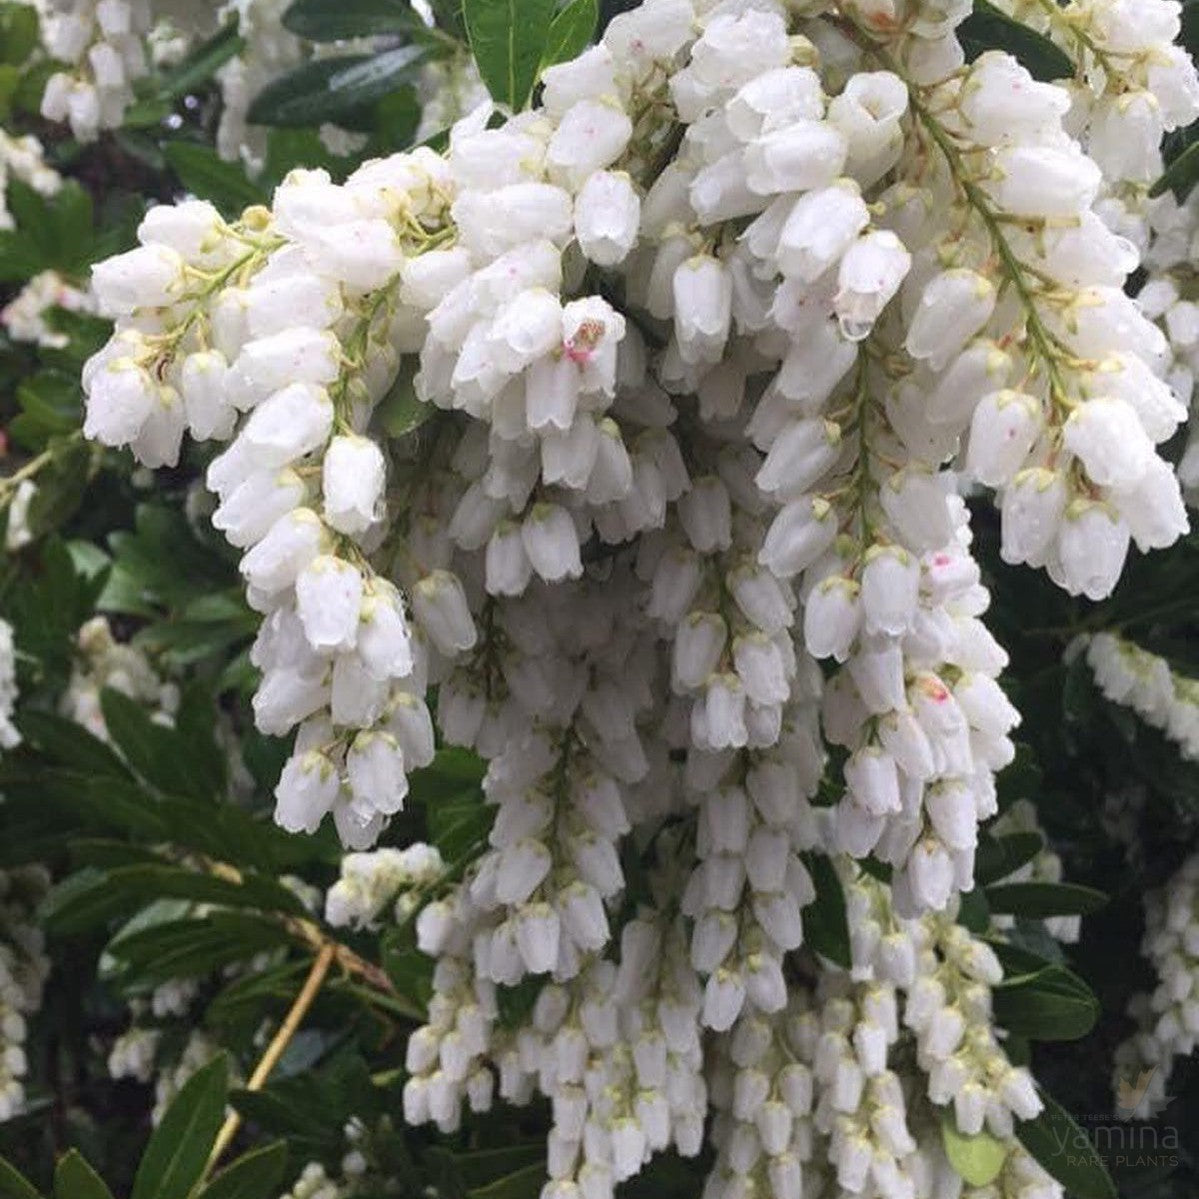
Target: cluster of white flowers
x=17 y=533
x=370 y=883
x=269 y=51
x=1144 y=682
x=23 y=970
x=170 y=1079
x=356 y=1175
x=689 y=349
x=143 y=1053
x=844 y=1080
x=1168 y=1019
x=104 y=662
x=1170 y=296
x=315 y=1183
x=23 y=158
x=102 y=42
x=1133 y=84
x=9 y=737
x=24 y=316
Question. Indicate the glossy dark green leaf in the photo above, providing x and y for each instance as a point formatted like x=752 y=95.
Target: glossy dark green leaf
x=61 y=486
x=178 y=1151
x=18 y=32
x=1052 y=1004
x=571 y=31
x=256 y=1175
x=333 y=20
x=75 y=1179
x=997 y=857
x=521 y=1184
x=82 y=901
x=1065 y=1151
x=158 y=754
x=14 y=1184
x=973 y=912
x=826 y=926
x=410 y=971
x=508 y=39
x=202 y=63
x=191 y=947
x=1181 y=175
x=90 y=898
x=989 y=28
x=329 y=89
x=1036 y=901
x=207 y=176
x=69 y=744
x=1022 y=779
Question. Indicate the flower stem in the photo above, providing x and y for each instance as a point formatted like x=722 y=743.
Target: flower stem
x=279 y=1043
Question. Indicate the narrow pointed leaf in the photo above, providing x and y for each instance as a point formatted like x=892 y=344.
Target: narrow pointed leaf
x=178 y=1150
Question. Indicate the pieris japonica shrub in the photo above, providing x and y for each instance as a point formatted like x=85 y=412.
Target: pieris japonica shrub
x=599 y=599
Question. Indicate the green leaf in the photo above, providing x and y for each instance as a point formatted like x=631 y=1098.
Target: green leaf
x=989 y=28
x=179 y=1147
x=1181 y=175
x=478 y=1167
x=60 y=487
x=1065 y=1151
x=158 y=754
x=973 y=912
x=508 y=39
x=14 y=1184
x=1038 y=900
x=202 y=63
x=247 y=996
x=400 y=411
x=90 y=898
x=1022 y=779
x=328 y=89
x=1000 y=856
x=255 y=1175
x=82 y=901
x=409 y=970
x=523 y=1184
x=826 y=926
x=10 y=80
x=60 y=226
x=75 y=1179
x=332 y=20
x=209 y=177
x=570 y=32
x=1052 y=1004
x=70 y=744
x=190 y=947
x=20 y=257
x=18 y=33
x=977 y=1159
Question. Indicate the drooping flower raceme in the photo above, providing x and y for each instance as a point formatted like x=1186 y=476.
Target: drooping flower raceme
x=24 y=967
x=1144 y=682
x=23 y=158
x=102 y=43
x=612 y=424
x=1168 y=1018
x=9 y=737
